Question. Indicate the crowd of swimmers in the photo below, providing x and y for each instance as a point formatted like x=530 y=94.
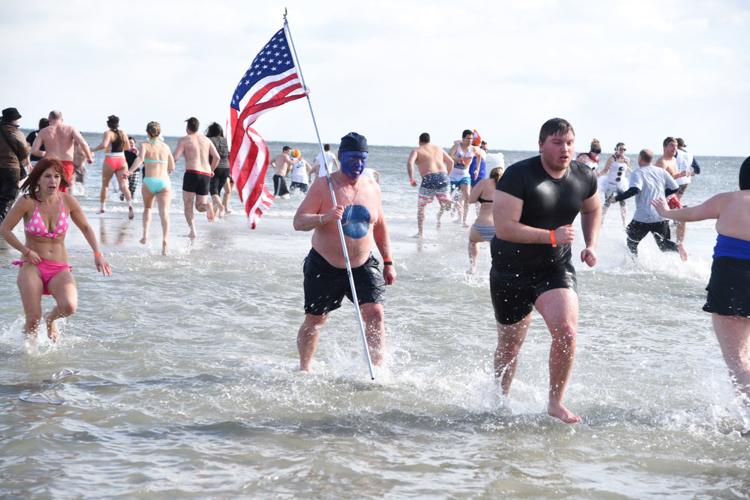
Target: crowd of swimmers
x=525 y=211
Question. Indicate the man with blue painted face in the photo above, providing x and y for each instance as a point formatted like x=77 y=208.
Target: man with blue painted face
x=325 y=278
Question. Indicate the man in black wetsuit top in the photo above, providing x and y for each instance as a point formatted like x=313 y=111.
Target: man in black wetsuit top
x=536 y=202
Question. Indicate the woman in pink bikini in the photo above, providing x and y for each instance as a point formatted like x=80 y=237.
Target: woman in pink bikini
x=114 y=143
x=44 y=268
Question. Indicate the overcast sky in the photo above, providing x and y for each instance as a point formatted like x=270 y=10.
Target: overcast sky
x=633 y=71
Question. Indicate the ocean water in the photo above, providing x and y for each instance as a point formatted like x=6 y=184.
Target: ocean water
x=182 y=370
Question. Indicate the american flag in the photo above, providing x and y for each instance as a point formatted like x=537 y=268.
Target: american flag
x=270 y=81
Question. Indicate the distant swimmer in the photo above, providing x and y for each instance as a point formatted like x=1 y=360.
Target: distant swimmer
x=591 y=159
x=197 y=149
x=463 y=152
x=728 y=298
x=281 y=165
x=478 y=166
x=647 y=184
x=435 y=165
x=323 y=159
x=59 y=140
x=300 y=172
x=668 y=161
x=483 y=228
x=156 y=157
x=325 y=277
x=44 y=269
x=114 y=143
x=536 y=202
x=43 y=123
x=615 y=173
x=221 y=177
x=687 y=166
x=133 y=175
x=14 y=158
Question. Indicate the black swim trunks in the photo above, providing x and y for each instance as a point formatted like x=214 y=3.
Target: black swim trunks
x=325 y=286
x=279 y=186
x=194 y=182
x=729 y=287
x=514 y=293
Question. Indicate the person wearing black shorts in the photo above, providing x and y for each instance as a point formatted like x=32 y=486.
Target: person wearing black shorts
x=536 y=203
x=326 y=280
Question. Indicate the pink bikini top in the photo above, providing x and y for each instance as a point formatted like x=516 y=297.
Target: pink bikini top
x=37 y=227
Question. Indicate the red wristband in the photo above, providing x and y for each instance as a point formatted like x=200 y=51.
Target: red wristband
x=552 y=238
x=97 y=254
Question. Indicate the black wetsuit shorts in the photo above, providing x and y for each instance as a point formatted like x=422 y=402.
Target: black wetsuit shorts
x=218 y=181
x=514 y=293
x=325 y=286
x=729 y=287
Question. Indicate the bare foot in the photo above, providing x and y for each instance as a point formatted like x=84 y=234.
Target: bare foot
x=164 y=248
x=101 y=211
x=143 y=240
x=418 y=235
x=558 y=410
x=682 y=251
x=52 y=332
x=191 y=234
x=131 y=213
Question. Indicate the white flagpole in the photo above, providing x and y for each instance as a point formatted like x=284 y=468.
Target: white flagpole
x=333 y=198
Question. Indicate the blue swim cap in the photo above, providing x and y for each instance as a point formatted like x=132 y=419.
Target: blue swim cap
x=356 y=221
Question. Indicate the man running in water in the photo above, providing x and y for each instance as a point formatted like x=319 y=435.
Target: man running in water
x=668 y=161
x=59 y=140
x=198 y=172
x=687 y=167
x=434 y=166
x=648 y=183
x=281 y=166
x=535 y=204
x=326 y=280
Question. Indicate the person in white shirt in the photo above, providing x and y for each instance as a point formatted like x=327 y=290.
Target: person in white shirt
x=323 y=159
x=300 y=172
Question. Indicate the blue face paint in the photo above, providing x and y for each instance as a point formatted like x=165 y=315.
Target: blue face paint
x=356 y=221
x=353 y=162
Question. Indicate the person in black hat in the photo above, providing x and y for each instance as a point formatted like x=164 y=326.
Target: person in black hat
x=14 y=155
x=326 y=282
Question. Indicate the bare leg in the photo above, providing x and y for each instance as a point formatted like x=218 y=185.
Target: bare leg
x=372 y=315
x=148 y=204
x=420 y=218
x=559 y=308
x=217 y=205
x=733 y=334
x=163 y=199
x=63 y=289
x=187 y=200
x=624 y=213
x=122 y=180
x=227 y=196
x=681 y=227
x=106 y=179
x=203 y=204
x=474 y=239
x=30 y=285
x=445 y=206
x=307 y=339
x=465 y=197
x=509 y=341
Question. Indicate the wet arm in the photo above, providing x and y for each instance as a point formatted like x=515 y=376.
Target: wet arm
x=410 y=165
x=36 y=148
x=709 y=209
x=79 y=141
x=591 y=220
x=15 y=215
x=214 y=154
x=104 y=144
x=79 y=219
x=308 y=216
x=449 y=163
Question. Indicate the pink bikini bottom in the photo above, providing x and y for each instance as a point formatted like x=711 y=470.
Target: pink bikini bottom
x=48 y=269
